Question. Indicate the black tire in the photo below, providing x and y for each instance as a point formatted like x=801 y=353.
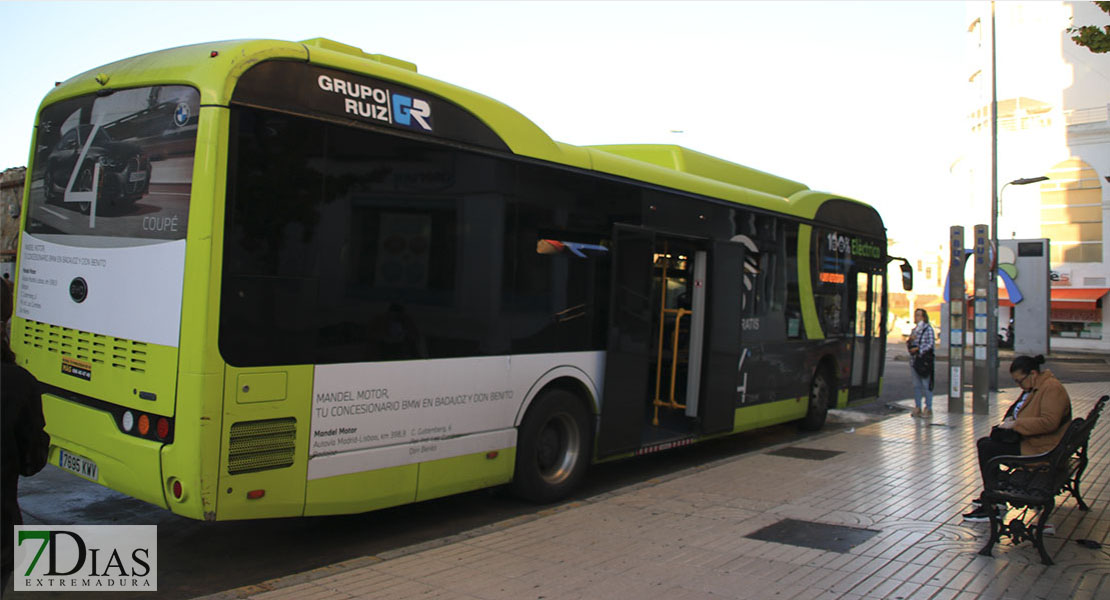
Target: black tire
x=553 y=447
x=820 y=396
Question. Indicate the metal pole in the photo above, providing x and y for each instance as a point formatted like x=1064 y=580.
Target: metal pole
x=957 y=300
x=992 y=283
x=980 y=399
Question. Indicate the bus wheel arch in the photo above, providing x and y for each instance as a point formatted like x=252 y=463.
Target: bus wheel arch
x=822 y=395
x=571 y=379
x=554 y=443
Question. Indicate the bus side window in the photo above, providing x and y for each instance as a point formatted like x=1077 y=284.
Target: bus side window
x=765 y=296
x=556 y=273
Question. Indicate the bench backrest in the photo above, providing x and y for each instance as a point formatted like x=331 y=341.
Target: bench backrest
x=1076 y=436
x=1081 y=437
x=1096 y=410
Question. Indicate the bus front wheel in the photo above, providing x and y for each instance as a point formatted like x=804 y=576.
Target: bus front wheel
x=820 y=395
x=553 y=447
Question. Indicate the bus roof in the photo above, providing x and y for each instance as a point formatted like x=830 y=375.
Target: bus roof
x=693 y=162
x=215 y=68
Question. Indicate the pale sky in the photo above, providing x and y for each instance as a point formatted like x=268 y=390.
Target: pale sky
x=863 y=99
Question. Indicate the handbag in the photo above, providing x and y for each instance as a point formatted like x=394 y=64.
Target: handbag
x=1005 y=436
x=923 y=363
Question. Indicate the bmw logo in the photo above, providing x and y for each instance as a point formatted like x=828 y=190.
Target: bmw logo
x=181 y=114
x=78 y=290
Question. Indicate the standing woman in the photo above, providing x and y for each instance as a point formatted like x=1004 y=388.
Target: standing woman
x=921 y=343
x=23 y=439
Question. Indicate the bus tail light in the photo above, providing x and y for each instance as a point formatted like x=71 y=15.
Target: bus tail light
x=151 y=427
x=255 y=494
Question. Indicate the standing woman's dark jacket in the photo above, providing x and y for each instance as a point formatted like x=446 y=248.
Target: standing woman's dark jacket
x=24 y=445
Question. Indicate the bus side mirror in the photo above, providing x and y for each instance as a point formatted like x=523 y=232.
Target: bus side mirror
x=907 y=276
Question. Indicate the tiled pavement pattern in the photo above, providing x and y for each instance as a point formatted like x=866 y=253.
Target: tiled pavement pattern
x=683 y=537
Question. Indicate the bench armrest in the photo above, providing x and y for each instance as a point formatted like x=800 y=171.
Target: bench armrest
x=1006 y=465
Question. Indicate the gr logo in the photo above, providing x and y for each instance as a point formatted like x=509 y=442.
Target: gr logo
x=412 y=112
x=115 y=558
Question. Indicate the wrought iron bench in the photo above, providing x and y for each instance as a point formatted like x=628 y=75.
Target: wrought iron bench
x=1031 y=484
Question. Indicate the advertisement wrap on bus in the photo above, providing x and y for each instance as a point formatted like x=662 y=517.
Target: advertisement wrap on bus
x=104 y=246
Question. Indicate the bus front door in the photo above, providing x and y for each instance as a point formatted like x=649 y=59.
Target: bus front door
x=868 y=344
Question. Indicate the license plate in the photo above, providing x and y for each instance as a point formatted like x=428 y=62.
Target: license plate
x=77 y=464
x=137 y=176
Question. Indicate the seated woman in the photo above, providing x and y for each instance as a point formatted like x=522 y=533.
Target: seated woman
x=1040 y=417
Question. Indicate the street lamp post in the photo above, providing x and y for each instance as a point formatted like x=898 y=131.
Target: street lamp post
x=992 y=286
x=1020 y=181
x=992 y=265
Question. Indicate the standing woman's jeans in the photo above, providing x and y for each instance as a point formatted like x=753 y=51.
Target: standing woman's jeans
x=921 y=386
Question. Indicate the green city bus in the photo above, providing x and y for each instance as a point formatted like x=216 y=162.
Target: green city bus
x=268 y=279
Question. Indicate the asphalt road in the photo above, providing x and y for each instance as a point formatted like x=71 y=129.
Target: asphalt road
x=197 y=558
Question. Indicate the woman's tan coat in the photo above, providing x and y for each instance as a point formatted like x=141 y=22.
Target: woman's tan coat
x=1044 y=418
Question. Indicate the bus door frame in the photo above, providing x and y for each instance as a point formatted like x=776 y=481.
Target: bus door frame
x=627 y=391
x=721 y=362
x=868 y=350
x=623 y=405
x=875 y=365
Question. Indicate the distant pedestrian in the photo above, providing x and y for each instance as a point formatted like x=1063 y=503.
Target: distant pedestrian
x=922 y=360
x=1034 y=424
x=25 y=443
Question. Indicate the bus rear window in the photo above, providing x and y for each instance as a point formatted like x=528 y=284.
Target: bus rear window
x=115 y=165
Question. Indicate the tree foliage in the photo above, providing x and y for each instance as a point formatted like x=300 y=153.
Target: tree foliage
x=1094 y=38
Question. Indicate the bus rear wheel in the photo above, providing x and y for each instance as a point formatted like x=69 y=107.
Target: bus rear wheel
x=820 y=395
x=553 y=447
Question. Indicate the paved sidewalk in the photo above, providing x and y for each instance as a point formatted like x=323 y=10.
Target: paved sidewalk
x=683 y=537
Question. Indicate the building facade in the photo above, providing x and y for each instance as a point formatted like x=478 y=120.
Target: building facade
x=1053 y=121
x=11 y=201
